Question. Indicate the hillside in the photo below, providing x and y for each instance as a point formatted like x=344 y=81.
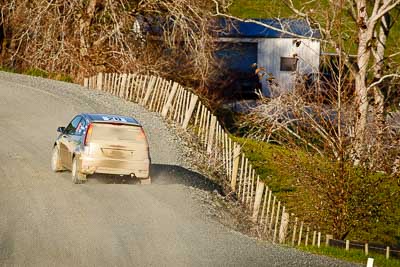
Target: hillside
x=286 y=169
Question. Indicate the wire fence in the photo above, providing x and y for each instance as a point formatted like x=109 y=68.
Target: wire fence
x=183 y=107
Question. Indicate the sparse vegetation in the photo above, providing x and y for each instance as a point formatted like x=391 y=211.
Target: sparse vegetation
x=6 y=69
x=36 y=72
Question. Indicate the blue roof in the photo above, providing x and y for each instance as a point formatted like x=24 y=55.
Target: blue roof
x=242 y=29
x=111 y=118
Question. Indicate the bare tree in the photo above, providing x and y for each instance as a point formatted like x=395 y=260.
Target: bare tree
x=81 y=37
x=366 y=27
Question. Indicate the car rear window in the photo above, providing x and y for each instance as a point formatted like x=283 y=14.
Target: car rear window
x=117 y=132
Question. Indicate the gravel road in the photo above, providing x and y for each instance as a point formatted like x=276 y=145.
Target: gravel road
x=45 y=220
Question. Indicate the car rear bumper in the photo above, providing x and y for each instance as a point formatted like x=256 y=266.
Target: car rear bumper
x=139 y=169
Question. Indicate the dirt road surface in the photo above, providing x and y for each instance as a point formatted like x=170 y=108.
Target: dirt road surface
x=45 y=220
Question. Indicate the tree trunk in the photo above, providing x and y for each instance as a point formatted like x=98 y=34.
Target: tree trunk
x=379 y=99
x=365 y=34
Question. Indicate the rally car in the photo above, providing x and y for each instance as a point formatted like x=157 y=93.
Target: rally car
x=102 y=143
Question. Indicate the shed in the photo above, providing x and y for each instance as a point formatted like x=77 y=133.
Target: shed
x=288 y=49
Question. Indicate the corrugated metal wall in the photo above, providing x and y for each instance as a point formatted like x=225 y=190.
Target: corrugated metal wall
x=270 y=51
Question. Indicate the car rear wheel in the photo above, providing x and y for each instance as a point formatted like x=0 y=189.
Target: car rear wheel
x=77 y=177
x=56 y=165
x=145 y=181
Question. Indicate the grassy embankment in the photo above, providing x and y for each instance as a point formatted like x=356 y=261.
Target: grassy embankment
x=277 y=164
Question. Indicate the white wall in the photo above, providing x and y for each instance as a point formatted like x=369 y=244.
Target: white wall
x=269 y=55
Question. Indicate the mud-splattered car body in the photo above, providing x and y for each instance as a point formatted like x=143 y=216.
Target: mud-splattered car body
x=102 y=143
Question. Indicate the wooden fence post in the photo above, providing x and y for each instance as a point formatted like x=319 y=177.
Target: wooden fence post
x=241 y=175
x=328 y=237
x=276 y=222
x=132 y=86
x=117 y=84
x=127 y=86
x=113 y=81
x=319 y=239
x=294 y=231
x=201 y=122
x=168 y=104
x=257 y=201
x=251 y=188
x=206 y=128
x=306 y=241
x=264 y=204
x=159 y=101
x=387 y=252
x=211 y=132
x=109 y=79
x=366 y=249
x=197 y=117
x=217 y=142
x=236 y=158
x=122 y=86
x=249 y=183
x=189 y=112
x=267 y=216
x=254 y=206
x=184 y=105
x=177 y=105
x=226 y=152
x=154 y=94
x=174 y=106
x=272 y=214
x=300 y=233
x=105 y=82
x=150 y=87
x=86 y=83
x=139 y=88
x=314 y=237
x=230 y=152
x=90 y=82
x=284 y=226
x=99 y=81
x=347 y=244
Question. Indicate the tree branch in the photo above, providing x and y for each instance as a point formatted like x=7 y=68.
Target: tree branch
x=218 y=13
x=382 y=79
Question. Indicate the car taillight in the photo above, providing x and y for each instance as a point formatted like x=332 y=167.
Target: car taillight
x=141 y=136
x=88 y=134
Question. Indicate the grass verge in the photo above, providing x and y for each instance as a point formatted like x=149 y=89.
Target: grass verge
x=40 y=73
x=353 y=255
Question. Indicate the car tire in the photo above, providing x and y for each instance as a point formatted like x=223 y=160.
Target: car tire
x=56 y=165
x=77 y=177
x=145 y=181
